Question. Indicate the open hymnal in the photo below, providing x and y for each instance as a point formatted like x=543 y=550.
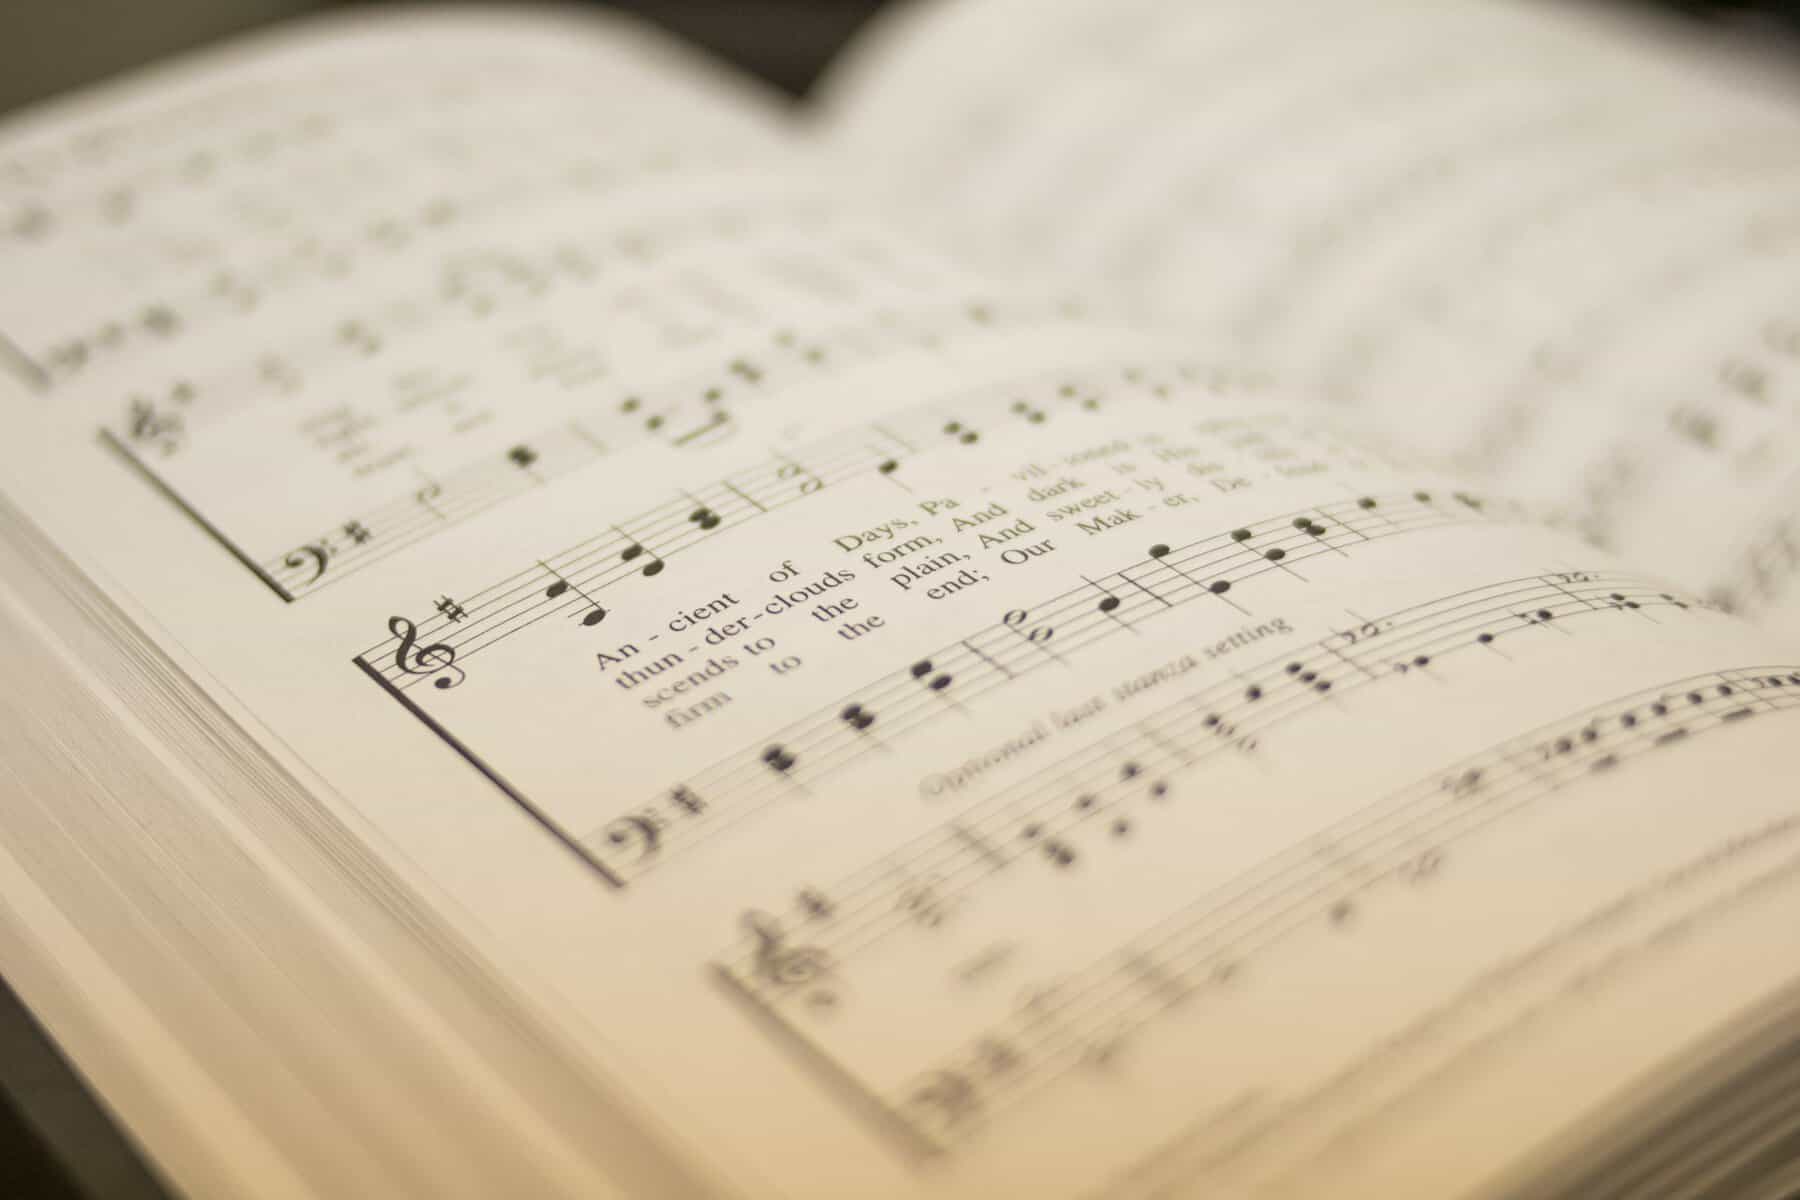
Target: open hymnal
x=1144 y=599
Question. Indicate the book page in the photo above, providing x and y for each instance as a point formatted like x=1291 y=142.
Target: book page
x=1541 y=241
x=911 y=737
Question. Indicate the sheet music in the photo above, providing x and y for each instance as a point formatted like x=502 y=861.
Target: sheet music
x=1005 y=753
x=1541 y=242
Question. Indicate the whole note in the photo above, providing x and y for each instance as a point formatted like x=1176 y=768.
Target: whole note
x=791 y=471
x=437 y=659
x=815 y=904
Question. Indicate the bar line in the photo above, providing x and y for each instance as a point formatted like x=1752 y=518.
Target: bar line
x=494 y=777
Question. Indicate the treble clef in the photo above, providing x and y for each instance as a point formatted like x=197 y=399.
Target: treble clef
x=802 y=968
x=438 y=659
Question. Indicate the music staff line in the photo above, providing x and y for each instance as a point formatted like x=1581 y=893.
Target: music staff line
x=1036 y=817
x=470 y=286
x=439 y=192
x=1085 y=1017
x=697 y=411
x=935 y=685
x=336 y=101
x=566 y=584
x=1106 y=1004
x=453 y=286
x=605 y=559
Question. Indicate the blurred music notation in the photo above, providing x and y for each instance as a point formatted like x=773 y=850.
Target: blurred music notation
x=694 y=411
x=1221 y=569
x=457 y=290
x=447 y=284
x=1090 y=1015
x=459 y=143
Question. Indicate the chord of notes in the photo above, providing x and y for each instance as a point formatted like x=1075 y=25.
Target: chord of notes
x=1045 y=634
x=1318 y=883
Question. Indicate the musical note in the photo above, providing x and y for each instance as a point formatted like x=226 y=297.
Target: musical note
x=1422 y=868
x=1037 y=635
x=1060 y=853
x=1467 y=783
x=996 y=1056
x=560 y=587
x=437 y=659
x=790 y=470
x=857 y=717
x=923 y=904
x=779 y=759
x=1303 y=674
x=634 y=551
x=160 y=320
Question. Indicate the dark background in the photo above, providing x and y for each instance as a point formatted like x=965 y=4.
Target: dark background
x=47 y=46
x=55 y=1142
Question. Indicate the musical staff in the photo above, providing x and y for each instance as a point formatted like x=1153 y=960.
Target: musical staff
x=1319 y=882
x=1103 y=791
x=690 y=411
x=676 y=525
x=493 y=172
x=739 y=786
x=460 y=289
